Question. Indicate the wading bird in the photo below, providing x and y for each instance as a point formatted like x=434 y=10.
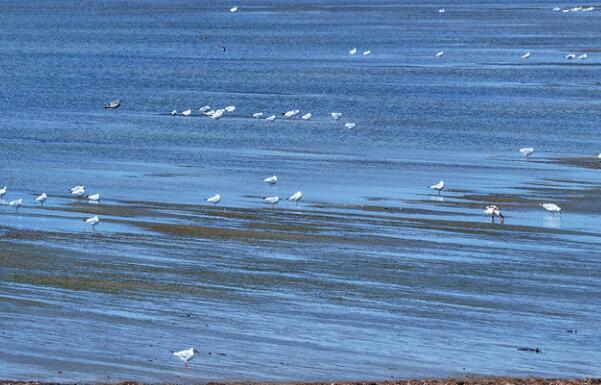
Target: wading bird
x=186 y=355
x=93 y=221
x=438 y=186
x=551 y=207
x=527 y=151
x=16 y=204
x=272 y=201
x=493 y=211
x=271 y=180
x=41 y=199
x=214 y=199
x=296 y=197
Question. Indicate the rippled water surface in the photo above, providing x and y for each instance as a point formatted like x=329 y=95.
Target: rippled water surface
x=373 y=276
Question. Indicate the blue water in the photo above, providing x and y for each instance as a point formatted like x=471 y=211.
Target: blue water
x=431 y=288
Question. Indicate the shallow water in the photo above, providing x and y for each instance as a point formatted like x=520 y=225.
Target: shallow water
x=373 y=275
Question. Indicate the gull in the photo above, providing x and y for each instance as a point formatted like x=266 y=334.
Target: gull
x=234 y=9
x=41 y=199
x=16 y=203
x=187 y=112
x=583 y=56
x=367 y=53
x=527 y=151
x=113 y=104
x=439 y=54
x=3 y=191
x=257 y=115
x=526 y=55
x=296 y=197
x=552 y=207
x=571 y=56
x=230 y=108
x=78 y=191
x=204 y=108
x=352 y=51
x=186 y=355
x=335 y=115
x=556 y=9
x=291 y=114
x=271 y=180
x=576 y=9
x=438 y=186
x=270 y=118
x=173 y=113
x=306 y=116
x=350 y=125
x=214 y=199
x=94 y=197
x=217 y=114
x=565 y=10
x=588 y=9
x=441 y=10
x=209 y=112
x=493 y=211
x=93 y=221
x=272 y=201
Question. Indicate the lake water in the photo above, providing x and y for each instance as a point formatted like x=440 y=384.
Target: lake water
x=373 y=276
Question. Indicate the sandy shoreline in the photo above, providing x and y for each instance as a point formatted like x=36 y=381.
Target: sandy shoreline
x=444 y=381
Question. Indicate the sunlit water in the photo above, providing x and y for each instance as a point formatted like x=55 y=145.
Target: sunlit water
x=382 y=277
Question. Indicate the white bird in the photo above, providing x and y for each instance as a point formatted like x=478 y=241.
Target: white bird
x=173 y=113
x=16 y=203
x=583 y=56
x=217 y=114
x=350 y=125
x=576 y=9
x=438 y=186
x=234 y=9
x=367 y=53
x=588 y=9
x=209 y=112
x=571 y=56
x=3 y=191
x=270 y=118
x=186 y=355
x=230 y=108
x=598 y=156
x=257 y=115
x=441 y=10
x=187 y=113
x=552 y=207
x=296 y=197
x=439 y=54
x=271 y=180
x=306 y=116
x=94 y=197
x=272 y=201
x=527 y=151
x=93 y=221
x=78 y=191
x=353 y=51
x=41 y=199
x=335 y=115
x=565 y=10
x=291 y=114
x=556 y=9
x=204 y=108
x=214 y=199
x=493 y=211
x=526 y=55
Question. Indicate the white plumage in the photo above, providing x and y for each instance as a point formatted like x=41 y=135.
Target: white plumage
x=214 y=199
x=257 y=115
x=93 y=221
x=527 y=151
x=439 y=54
x=230 y=108
x=291 y=114
x=78 y=191
x=234 y=9
x=551 y=207
x=94 y=197
x=352 y=51
x=272 y=200
x=186 y=355
x=526 y=55
x=3 y=191
x=217 y=114
x=270 y=118
x=571 y=56
x=41 y=198
x=187 y=113
x=350 y=125
x=367 y=53
x=296 y=197
x=335 y=115
x=306 y=116
x=204 y=108
x=16 y=203
x=271 y=180
x=438 y=186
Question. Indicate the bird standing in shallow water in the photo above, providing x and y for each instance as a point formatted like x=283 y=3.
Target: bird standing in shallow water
x=551 y=207
x=438 y=186
x=527 y=151
x=16 y=204
x=41 y=199
x=272 y=201
x=186 y=355
x=272 y=180
x=494 y=211
x=93 y=221
x=296 y=197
